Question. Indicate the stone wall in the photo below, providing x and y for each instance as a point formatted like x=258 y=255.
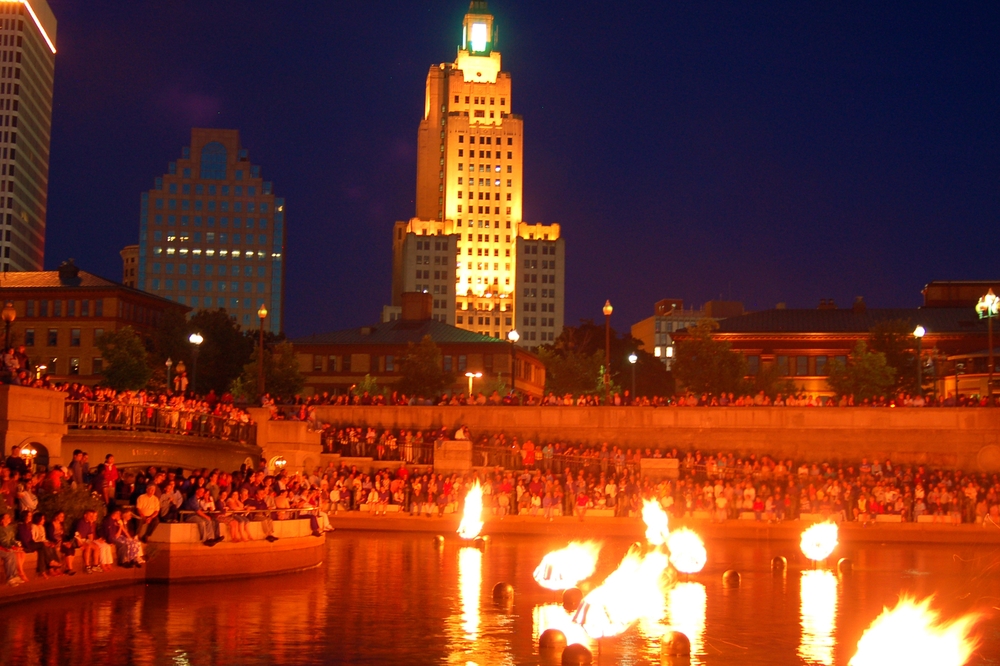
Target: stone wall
x=139 y=449
x=964 y=438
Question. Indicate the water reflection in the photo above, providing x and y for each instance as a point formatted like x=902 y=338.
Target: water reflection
x=687 y=604
x=819 y=616
x=470 y=583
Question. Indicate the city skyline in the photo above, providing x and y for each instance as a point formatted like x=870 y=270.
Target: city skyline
x=765 y=155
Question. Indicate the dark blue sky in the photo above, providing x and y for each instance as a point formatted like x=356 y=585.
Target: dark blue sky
x=767 y=152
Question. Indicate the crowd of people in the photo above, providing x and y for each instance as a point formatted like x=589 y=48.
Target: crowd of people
x=128 y=506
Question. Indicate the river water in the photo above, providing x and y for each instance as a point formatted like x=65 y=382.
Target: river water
x=398 y=599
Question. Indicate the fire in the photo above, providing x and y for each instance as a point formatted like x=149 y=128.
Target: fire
x=914 y=634
x=562 y=569
x=633 y=591
x=656 y=522
x=819 y=540
x=687 y=551
x=552 y=616
x=472 y=516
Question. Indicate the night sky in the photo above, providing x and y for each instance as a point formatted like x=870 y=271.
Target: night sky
x=764 y=152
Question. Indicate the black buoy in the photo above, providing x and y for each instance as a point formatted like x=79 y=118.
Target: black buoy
x=731 y=578
x=480 y=543
x=552 y=640
x=778 y=564
x=845 y=566
x=503 y=592
x=572 y=598
x=577 y=655
x=675 y=644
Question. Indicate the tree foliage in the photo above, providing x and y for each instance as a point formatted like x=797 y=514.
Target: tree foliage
x=71 y=501
x=571 y=372
x=126 y=366
x=706 y=365
x=894 y=339
x=770 y=380
x=422 y=371
x=866 y=375
x=282 y=376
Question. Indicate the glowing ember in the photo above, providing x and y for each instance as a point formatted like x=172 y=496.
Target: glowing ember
x=633 y=591
x=687 y=552
x=472 y=516
x=819 y=540
x=656 y=522
x=562 y=569
x=914 y=634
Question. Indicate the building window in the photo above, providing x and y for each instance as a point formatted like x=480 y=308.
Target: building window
x=213 y=161
x=461 y=362
x=85 y=308
x=98 y=366
x=331 y=363
x=98 y=333
x=57 y=308
x=74 y=337
x=74 y=366
x=53 y=339
x=448 y=360
x=753 y=364
x=29 y=337
x=346 y=367
x=317 y=363
x=782 y=362
x=821 y=365
x=30 y=308
x=801 y=366
x=390 y=363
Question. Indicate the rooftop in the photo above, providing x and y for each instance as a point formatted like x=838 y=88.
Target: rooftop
x=935 y=320
x=399 y=332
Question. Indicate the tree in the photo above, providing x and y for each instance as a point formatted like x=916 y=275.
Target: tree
x=706 y=365
x=865 y=376
x=770 y=380
x=570 y=371
x=367 y=385
x=223 y=354
x=894 y=339
x=421 y=370
x=282 y=376
x=126 y=366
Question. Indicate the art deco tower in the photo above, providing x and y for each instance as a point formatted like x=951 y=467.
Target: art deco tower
x=469 y=188
x=27 y=69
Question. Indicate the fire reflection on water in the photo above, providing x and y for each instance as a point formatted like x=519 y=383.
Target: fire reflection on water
x=554 y=616
x=687 y=604
x=819 y=616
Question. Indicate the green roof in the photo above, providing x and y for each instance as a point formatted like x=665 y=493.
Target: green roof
x=399 y=332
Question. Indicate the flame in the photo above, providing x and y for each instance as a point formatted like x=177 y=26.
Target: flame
x=656 y=521
x=470 y=581
x=562 y=569
x=819 y=616
x=818 y=541
x=687 y=551
x=633 y=591
x=472 y=516
x=554 y=616
x=914 y=634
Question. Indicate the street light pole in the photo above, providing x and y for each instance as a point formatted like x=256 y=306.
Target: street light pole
x=632 y=358
x=9 y=315
x=262 y=315
x=988 y=307
x=195 y=340
x=471 y=376
x=918 y=333
x=513 y=336
x=607 y=351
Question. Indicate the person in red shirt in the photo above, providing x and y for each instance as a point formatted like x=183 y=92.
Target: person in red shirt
x=110 y=478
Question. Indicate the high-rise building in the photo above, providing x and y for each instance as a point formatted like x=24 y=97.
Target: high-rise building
x=27 y=70
x=469 y=196
x=212 y=232
x=130 y=265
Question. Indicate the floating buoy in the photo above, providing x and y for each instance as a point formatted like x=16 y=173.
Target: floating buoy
x=675 y=644
x=572 y=598
x=845 y=566
x=731 y=578
x=552 y=640
x=778 y=564
x=479 y=542
x=577 y=655
x=503 y=592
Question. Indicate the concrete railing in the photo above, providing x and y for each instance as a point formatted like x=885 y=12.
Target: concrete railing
x=953 y=437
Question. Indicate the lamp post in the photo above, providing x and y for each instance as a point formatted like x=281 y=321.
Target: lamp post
x=988 y=307
x=632 y=358
x=262 y=315
x=513 y=336
x=196 y=340
x=918 y=333
x=179 y=376
x=169 y=363
x=9 y=315
x=607 y=351
x=471 y=376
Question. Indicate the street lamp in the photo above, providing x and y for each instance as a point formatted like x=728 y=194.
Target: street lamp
x=988 y=307
x=9 y=315
x=632 y=358
x=471 y=376
x=607 y=351
x=513 y=336
x=262 y=315
x=196 y=340
x=169 y=363
x=919 y=333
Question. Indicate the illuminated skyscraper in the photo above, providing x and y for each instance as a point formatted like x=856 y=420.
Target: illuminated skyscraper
x=212 y=232
x=469 y=189
x=27 y=70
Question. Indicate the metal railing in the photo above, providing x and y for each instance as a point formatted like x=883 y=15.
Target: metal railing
x=85 y=414
x=493 y=456
x=422 y=454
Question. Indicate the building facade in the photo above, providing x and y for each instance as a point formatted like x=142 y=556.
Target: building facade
x=60 y=315
x=212 y=232
x=669 y=316
x=27 y=71
x=470 y=190
x=130 y=265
